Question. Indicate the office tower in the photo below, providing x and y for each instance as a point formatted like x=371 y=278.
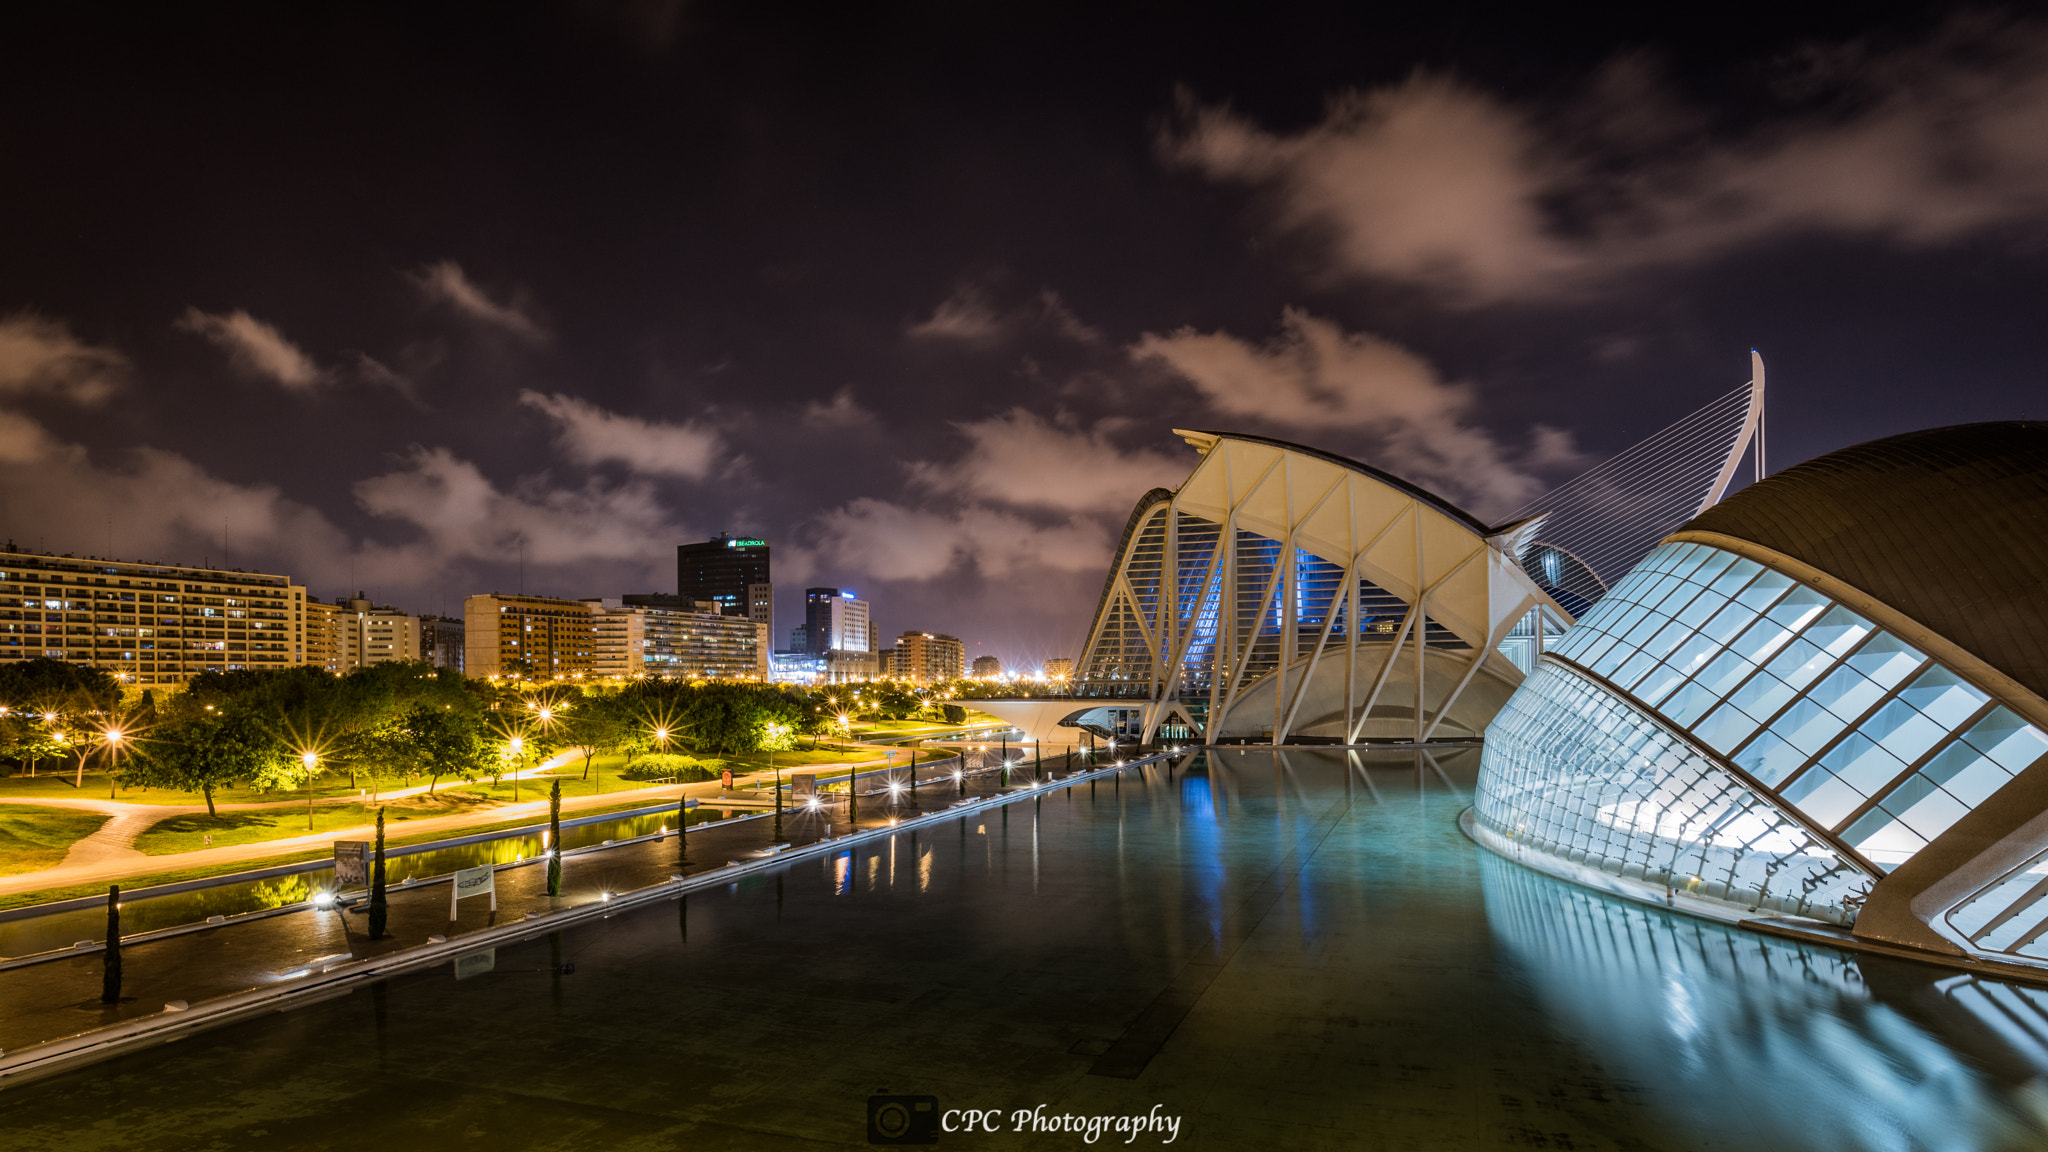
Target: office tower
x=985 y=666
x=835 y=620
x=761 y=605
x=720 y=570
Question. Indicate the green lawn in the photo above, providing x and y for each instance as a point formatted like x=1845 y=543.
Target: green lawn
x=96 y=785
x=33 y=836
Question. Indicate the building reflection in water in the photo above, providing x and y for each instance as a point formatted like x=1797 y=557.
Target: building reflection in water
x=1822 y=1048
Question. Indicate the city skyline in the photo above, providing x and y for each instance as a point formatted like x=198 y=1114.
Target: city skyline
x=925 y=316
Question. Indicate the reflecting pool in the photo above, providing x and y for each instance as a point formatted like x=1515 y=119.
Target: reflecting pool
x=1282 y=951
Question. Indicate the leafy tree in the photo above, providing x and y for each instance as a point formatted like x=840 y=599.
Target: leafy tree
x=439 y=742
x=200 y=753
x=600 y=725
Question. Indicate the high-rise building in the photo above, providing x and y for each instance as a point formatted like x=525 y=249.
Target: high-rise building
x=761 y=605
x=800 y=640
x=987 y=666
x=148 y=623
x=721 y=570
x=929 y=657
x=835 y=619
x=441 y=641
x=635 y=641
x=530 y=637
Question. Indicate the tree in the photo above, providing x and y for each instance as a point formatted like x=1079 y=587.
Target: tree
x=444 y=742
x=207 y=751
x=555 y=839
x=379 y=906
x=600 y=725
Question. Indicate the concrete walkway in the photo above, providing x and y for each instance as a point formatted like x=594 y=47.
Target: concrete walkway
x=113 y=858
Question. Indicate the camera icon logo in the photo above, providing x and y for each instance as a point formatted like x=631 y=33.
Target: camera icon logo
x=903 y=1119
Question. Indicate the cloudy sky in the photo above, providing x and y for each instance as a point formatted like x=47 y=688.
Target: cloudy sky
x=919 y=291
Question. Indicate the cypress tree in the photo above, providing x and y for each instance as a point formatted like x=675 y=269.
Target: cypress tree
x=378 y=908
x=555 y=839
x=682 y=828
x=110 y=976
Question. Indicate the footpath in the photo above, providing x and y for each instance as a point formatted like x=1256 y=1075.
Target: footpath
x=114 y=859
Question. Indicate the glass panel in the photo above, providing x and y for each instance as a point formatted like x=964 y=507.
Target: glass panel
x=1689 y=704
x=1688 y=561
x=1838 y=630
x=1933 y=814
x=1798 y=607
x=1902 y=730
x=1845 y=693
x=1722 y=675
x=1943 y=696
x=1967 y=774
x=1703 y=606
x=1763 y=638
x=1824 y=798
x=1645 y=628
x=1738 y=574
x=1770 y=759
x=1712 y=565
x=1798 y=664
x=1638 y=666
x=1727 y=727
x=1863 y=765
x=2007 y=739
x=1691 y=653
x=1661 y=679
x=1883 y=839
x=1808 y=725
x=1886 y=660
x=1728 y=621
x=1668 y=637
x=1762 y=696
x=1765 y=589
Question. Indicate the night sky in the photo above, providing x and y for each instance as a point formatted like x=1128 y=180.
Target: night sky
x=385 y=297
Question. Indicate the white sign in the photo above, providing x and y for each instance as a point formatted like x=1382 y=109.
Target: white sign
x=481 y=880
x=476 y=963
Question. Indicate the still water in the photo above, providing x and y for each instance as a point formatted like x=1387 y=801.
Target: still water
x=1280 y=951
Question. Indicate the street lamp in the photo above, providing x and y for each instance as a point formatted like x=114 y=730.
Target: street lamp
x=311 y=761
x=516 y=750
x=112 y=736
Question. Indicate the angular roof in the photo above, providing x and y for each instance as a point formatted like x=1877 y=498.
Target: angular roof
x=1947 y=525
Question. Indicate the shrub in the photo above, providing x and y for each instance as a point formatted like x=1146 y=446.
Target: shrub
x=661 y=765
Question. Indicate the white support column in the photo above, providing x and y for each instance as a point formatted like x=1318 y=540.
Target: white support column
x=1493 y=639
x=1421 y=626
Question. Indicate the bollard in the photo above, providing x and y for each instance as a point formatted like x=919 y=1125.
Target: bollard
x=110 y=975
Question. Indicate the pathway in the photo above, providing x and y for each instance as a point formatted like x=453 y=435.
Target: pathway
x=111 y=859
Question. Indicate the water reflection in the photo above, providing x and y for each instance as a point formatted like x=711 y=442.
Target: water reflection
x=1816 y=1047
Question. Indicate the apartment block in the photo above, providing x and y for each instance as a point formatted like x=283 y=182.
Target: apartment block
x=632 y=640
x=528 y=637
x=929 y=658
x=148 y=623
x=441 y=641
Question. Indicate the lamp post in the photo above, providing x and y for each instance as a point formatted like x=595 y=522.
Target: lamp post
x=112 y=736
x=515 y=751
x=311 y=761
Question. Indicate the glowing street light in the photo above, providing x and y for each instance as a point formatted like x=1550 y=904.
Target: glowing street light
x=310 y=760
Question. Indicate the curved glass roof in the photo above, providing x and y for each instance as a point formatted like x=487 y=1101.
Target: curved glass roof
x=1948 y=526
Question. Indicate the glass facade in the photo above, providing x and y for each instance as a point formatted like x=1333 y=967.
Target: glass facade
x=1854 y=728
x=1574 y=772
x=1717 y=660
